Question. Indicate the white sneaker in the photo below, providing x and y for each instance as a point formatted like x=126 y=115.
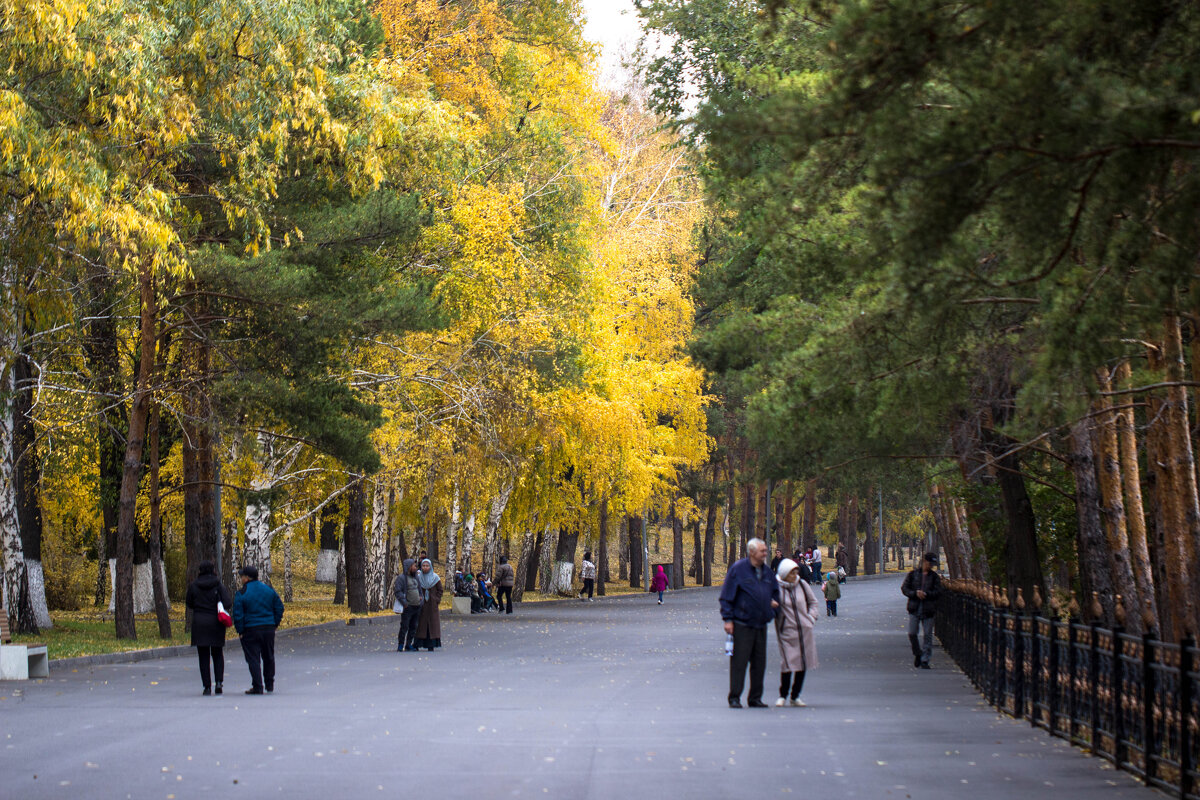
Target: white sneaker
x=781 y=701
x=798 y=703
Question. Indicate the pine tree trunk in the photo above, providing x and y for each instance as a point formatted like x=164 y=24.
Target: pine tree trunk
x=161 y=605
x=810 y=516
x=1095 y=576
x=1112 y=508
x=1139 y=550
x=635 y=551
x=527 y=564
x=748 y=519
x=26 y=476
x=1021 y=559
x=787 y=521
x=132 y=467
x=623 y=549
x=870 y=545
x=677 y=578
x=710 y=535
x=355 y=549
x=602 y=575
x=1181 y=542
x=339 y=585
x=102 y=350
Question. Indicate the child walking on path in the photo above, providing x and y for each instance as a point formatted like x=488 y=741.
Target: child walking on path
x=833 y=592
x=798 y=610
x=659 y=583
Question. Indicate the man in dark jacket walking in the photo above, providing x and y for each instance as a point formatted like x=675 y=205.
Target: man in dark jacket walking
x=407 y=593
x=257 y=612
x=504 y=581
x=922 y=587
x=749 y=599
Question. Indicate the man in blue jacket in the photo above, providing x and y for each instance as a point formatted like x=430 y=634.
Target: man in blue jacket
x=749 y=599
x=257 y=611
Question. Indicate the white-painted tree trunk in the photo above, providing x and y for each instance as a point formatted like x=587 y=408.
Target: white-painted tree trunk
x=492 y=531
x=143 y=586
x=327 y=561
x=563 y=579
x=377 y=547
x=37 y=593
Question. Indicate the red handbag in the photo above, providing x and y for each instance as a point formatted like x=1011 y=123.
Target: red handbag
x=223 y=615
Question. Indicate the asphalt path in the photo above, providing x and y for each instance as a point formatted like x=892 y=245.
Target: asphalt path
x=616 y=698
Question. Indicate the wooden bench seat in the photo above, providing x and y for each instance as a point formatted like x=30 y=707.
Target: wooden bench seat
x=20 y=662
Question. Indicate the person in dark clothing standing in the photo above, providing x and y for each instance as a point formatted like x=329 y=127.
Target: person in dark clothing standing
x=208 y=634
x=257 y=612
x=407 y=593
x=776 y=560
x=749 y=600
x=922 y=587
x=503 y=583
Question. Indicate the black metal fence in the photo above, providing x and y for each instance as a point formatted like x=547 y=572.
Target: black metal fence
x=1130 y=699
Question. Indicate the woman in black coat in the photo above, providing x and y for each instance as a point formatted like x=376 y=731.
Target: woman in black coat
x=208 y=634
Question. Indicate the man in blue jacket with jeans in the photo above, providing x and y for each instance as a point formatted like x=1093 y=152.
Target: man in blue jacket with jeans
x=749 y=599
x=257 y=612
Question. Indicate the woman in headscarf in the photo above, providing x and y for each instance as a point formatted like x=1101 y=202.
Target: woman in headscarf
x=794 y=630
x=429 y=624
x=208 y=634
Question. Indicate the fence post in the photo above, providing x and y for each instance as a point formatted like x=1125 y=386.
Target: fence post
x=1117 y=693
x=1093 y=668
x=1052 y=679
x=1035 y=668
x=1018 y=665
x=1149 y=742
x=1072 y=665
x=1186 y=693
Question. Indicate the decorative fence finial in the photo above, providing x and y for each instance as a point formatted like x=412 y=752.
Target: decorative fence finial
x=1037 y=598
x=1119 y=611
x=1095 y=609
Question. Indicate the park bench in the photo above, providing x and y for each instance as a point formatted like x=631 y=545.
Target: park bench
x=20 y=662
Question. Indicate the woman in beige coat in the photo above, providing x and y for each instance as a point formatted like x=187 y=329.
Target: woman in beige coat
x=794 y=629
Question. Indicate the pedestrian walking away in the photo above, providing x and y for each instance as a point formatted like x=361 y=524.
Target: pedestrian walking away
x=833 y=593
x=659 y=582
x=429 y=623
x=922 y=587
x=798 y=611
x=587 y=572
x=749 y=601
x=257 y=612
x=208 y=632
x=406 y=591
x=504 y=581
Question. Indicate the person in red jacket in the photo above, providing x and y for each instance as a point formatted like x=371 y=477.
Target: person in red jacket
x=659 y=583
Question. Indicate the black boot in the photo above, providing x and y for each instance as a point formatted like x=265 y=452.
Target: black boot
x=219 y=689
x=916 y=648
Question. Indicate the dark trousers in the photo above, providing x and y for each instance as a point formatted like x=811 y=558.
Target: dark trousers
x=831 y=608
x=588 y=584
x=749 y=647
x=922 y=648
x=258 y=645
x=217 y=655
x=504 y=598
x=408 y=626
x=786 y=680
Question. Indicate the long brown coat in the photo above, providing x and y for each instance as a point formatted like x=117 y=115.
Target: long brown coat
x=429 y=624
x=794 y=627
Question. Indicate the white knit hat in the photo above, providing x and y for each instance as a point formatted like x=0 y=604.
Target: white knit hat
x=785 y=568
